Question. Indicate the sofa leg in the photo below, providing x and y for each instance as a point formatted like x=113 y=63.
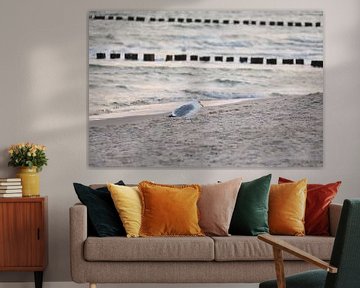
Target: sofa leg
x=92 y=285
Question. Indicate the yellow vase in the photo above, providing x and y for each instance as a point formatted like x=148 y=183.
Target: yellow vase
x=30 y=181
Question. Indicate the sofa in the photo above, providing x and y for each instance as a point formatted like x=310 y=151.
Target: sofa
x=233 y=259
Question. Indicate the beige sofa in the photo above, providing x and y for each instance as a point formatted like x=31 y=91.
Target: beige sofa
x=234 y=259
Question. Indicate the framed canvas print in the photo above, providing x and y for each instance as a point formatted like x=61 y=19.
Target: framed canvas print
x=205 y=89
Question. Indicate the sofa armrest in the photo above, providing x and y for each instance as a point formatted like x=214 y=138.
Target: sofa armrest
x=334 y=217
x=78 y=235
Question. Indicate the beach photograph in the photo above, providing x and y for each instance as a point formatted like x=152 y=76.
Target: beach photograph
x=205 y=89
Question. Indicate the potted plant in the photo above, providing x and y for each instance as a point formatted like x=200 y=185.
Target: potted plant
x=30 y=158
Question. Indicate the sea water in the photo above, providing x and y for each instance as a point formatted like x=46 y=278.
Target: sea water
x=119 y=87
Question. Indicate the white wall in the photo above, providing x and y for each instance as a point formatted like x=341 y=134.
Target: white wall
x=43 y=90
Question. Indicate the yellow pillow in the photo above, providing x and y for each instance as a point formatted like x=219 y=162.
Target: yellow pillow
x=287 y=204
x=127 y=201
x=169 y=210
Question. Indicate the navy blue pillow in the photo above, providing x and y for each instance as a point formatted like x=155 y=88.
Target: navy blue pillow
x=103 y=218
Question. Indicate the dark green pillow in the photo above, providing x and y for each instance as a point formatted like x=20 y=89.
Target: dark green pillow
x=250 y=216
x=103 y=218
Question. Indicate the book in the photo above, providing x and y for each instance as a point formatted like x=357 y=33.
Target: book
x=10 y=188
x=10 y=183
x=10 y=180
x=4 y=195
x=10 y=191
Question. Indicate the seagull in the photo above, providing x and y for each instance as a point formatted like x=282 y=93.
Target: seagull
x=187 y=110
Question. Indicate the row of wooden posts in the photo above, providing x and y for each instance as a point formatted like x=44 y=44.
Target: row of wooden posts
x=184 y=57
x=206 y=21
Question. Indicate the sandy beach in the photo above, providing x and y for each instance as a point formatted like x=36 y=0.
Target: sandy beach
x=279 y=131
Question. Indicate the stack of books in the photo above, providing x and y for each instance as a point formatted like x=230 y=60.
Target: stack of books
x=10 y=187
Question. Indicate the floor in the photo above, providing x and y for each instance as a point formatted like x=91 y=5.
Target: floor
x=74 y=285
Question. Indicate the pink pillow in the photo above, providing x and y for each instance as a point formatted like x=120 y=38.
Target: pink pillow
x=216 y=205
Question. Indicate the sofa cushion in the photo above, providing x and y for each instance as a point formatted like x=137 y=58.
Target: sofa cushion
x=318 y=199
x=102 y=216
x=169 y=210
x=149 y=249
x=127 y=201
x=244 y=248
x=216 y=206
x=287 y=204
x=250 y=215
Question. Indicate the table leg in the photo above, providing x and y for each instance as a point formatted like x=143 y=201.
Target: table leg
x=38 y=279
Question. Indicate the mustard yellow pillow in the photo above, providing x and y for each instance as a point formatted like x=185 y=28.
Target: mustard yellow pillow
x=169 y=210
x=127 y=201
x=287 y=204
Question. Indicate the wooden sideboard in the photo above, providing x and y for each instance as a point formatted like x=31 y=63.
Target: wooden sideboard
x=23 y=235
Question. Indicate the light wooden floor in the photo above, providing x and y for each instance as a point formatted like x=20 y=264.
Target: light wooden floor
x=74 y=285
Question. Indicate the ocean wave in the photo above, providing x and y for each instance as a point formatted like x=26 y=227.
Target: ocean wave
x=186 y=74
x=117 y=85
x=110 y=36
x=304 y=40
x=99 y=66
x=116 y=106
x=206 y=95
x=230 y=81
x=140 y=102
x=101 y=111
x=120 y=86
x=224 y=95
x=298 y=94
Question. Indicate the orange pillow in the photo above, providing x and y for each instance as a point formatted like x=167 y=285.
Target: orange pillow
x=287 y=204
x=318 y=200
x=169 y=210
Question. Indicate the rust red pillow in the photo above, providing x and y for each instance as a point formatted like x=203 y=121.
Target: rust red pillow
x=319 y=197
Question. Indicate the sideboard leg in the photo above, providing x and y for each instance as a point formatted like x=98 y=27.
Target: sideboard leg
x=38 y=279
x=92 y=285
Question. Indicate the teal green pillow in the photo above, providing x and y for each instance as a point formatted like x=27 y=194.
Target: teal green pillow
x=250 y=216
